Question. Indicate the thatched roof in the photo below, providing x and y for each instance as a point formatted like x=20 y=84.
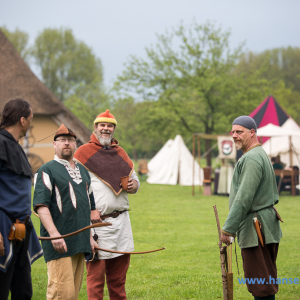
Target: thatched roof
x=17 y=80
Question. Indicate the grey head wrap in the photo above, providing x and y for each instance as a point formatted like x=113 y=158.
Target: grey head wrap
x=246 y=122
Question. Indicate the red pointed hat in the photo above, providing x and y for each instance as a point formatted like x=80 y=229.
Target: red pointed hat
x=106 y=117
x=63 y=130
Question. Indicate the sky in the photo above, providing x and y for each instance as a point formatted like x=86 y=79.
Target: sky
x=116 y=29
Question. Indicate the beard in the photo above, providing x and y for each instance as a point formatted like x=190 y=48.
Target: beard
x=105 y=141
x=67 y=154
x=238 y=145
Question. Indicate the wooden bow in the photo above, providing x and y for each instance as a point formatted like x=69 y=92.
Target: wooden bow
x=73 y=233
x=227 y=276
x=96 y=248
x=121 y=252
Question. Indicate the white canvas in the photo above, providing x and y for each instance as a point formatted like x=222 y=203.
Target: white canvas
x=174 y=164
x=281 y=145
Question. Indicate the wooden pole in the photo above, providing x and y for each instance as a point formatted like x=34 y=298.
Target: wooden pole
x=193 y=191
x=291 y=164
x=229 y=273
x=222 y=256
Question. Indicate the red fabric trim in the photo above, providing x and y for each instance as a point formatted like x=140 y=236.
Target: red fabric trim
x=39 y=205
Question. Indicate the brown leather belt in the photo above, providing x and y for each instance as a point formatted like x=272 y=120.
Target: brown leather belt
x=114 y=214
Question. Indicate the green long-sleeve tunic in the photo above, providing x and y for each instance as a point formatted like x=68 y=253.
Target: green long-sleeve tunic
x=253 y=189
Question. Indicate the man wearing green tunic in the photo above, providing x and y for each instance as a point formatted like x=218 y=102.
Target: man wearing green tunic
x=63 y=199
x=253 y=194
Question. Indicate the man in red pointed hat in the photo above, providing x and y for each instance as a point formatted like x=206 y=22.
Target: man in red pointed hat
x=107 y=162
x=62 y=198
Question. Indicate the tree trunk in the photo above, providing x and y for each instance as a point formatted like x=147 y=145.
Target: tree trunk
x=134 y=154
x=208 y=156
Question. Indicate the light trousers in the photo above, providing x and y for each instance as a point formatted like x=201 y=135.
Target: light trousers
x=65 y=277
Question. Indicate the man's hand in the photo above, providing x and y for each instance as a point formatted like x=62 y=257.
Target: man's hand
x=132 y=186
x=59 y=245
x=225 y=239
x=93 y=244
x=46 y=218
x=95 y=217
x=2 y=252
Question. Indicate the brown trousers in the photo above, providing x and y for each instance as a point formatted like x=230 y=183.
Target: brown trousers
x=260 y=262
x=115 y=270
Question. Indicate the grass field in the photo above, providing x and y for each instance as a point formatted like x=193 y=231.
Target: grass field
x=189 y=268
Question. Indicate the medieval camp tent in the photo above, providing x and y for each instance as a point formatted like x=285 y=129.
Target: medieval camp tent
x=17 y=80
x=279 y=143
x=268 y=114
x=283 y=141
x=269 y=111
x=173 y=164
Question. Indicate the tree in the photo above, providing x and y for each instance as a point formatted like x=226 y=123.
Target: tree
x=19 y=39
x=193 y=83
x=65 y=62
x=142 y=127
x=281 y=65
x=87 y=102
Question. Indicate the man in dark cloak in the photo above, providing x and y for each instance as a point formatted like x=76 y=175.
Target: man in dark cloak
x=15 y=203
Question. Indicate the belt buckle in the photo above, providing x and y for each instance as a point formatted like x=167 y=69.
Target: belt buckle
x=115 y=214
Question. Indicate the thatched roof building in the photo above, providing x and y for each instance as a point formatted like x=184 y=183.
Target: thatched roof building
x=17 y=80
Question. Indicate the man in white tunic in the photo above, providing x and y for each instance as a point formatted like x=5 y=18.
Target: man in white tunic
x=107 y=162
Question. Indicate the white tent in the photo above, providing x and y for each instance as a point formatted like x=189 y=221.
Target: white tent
x=279 y=142
x=174 y=164
x=272 y=130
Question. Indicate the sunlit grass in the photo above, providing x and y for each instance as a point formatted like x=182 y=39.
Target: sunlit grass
x=189 y=268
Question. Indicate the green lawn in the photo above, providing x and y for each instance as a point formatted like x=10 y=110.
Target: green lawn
x=189 y=268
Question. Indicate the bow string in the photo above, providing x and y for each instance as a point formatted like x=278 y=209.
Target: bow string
x=97 y=248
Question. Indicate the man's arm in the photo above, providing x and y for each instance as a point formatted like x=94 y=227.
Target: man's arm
x=46 y=218
x=250 y=177
x=41 y=201
x=95 y=214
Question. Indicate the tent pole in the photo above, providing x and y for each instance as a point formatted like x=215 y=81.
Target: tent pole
x=291 y=164
x=199 y=159
x=193 y=191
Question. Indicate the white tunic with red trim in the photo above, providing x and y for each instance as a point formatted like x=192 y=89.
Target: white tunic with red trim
x=117 y=237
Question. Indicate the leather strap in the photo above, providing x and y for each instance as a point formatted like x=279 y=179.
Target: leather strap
x=114 y=214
